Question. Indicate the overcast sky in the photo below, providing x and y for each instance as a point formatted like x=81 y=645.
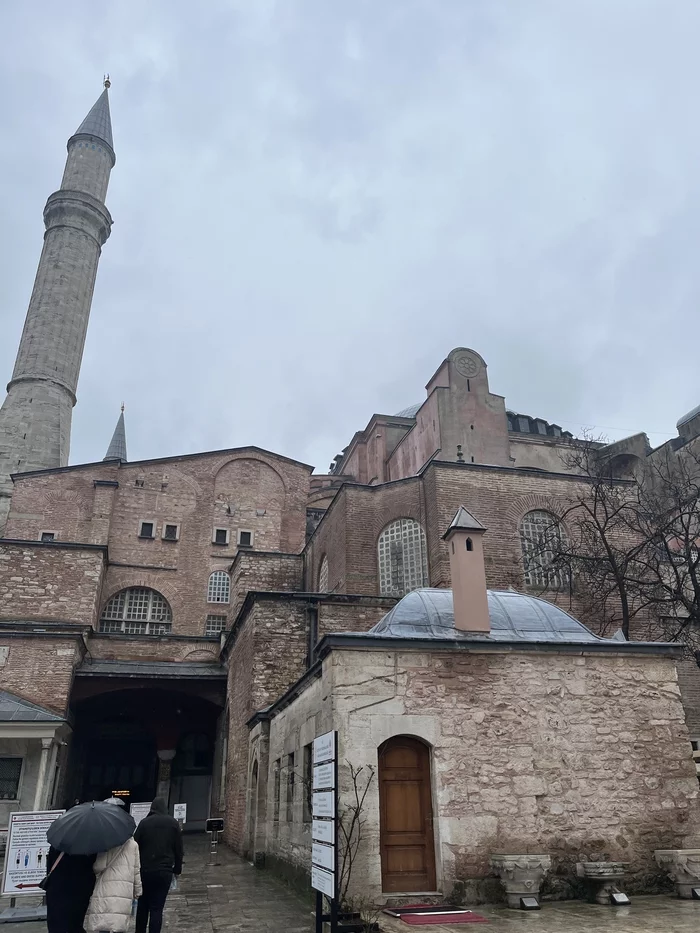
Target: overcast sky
x=314 y=201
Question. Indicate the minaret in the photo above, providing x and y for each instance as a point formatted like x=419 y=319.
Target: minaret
x=35 y=419
x=117 y=446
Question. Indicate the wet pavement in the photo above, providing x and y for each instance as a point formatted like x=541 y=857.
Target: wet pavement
x=234 y=897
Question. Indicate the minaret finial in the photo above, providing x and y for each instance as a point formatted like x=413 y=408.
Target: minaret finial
x=107 y=82
x=122 y=407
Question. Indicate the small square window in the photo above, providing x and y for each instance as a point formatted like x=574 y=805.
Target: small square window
x=171 y=532
x=147 y=529
x=220 y=536
x=245 y=538
x=47 y=536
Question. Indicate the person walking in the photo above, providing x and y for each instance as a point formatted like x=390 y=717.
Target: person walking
x=118 y=883
x=68 y=889
x=159 y=838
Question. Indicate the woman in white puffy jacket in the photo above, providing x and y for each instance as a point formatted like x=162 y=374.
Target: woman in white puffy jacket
x=117 y=885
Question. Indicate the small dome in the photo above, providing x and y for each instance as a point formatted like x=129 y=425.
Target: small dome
x=429 y=614
x=409 y=412
x=689 y=417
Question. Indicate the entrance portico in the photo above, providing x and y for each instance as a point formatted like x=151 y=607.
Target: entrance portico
x=147 y=729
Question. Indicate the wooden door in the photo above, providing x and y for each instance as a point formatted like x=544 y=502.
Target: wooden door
x=406 y=816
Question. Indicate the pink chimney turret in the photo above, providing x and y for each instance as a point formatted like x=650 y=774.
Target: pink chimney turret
x=464 y=540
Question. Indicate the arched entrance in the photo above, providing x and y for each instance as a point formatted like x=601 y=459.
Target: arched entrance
x=406 y=816
x=142 y=743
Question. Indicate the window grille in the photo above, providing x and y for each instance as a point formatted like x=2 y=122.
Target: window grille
x=403 y=558
x=146 y=529
x=219 y=589
x=137 y=611
x=245 y=538
x=215 y=625
x=543 y=539
x=220 y=536
x=323 y=576
x=10 y=773
x=170 y=533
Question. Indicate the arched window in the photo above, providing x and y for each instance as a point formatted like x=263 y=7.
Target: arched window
x=137 y=611
x=544 y=544
x=323 y=576
x=403 y=558
x=219 y=589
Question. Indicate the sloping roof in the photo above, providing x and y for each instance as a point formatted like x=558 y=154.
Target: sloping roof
x=169 y=669
x=429 y=614
x=17 y=709
x=409 y=412
x=464 y=521
x=117 y=446
x=98 y=121
x=688 y=416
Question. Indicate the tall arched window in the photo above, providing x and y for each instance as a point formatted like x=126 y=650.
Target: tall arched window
x=323 y=576
x=544 y=544
x=219 y=589
x=403 y=558
x=137 y=611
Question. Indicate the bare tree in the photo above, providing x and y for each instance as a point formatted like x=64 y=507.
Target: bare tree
x=351 y=823
x=631 y=551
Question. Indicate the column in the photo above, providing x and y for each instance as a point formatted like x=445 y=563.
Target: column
x=41 y=781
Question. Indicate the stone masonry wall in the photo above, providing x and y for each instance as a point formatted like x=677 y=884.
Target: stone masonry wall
x=266 y=654
x=49 y=582
x=557 y=753
x=253 y=570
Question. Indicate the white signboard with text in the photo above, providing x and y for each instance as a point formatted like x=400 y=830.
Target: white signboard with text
x=324 y=776
x=323 y=856
x=324 y=748
x=180 y=812
x=27 y=851
x=324 y=804
x=323 y=881
x=323 y=831
x=139 y=810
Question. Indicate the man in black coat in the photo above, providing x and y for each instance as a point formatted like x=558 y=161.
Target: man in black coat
x=160 y=845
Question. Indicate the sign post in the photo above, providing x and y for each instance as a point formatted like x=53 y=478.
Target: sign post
x=324 y=828
x=27 y=851
x=214 y=826
x=180 y=813
x=139 y=811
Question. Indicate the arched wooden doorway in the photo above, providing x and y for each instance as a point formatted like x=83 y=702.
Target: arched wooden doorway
x=406 y=816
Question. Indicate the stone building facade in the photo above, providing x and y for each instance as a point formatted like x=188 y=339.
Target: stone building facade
x=152 y=613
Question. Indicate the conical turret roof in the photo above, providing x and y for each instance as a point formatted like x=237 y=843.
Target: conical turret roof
x=117 y=446
x=98 y=122
x=464 y=521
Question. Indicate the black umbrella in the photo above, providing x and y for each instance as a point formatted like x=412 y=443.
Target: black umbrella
x=90 y=828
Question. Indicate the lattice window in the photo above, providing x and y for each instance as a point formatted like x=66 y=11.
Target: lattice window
x=323 y=576
x=10 y=773
x=543 y=540
x=214 y=625
x=137 y=611
x=403 y=558
x=219 y=589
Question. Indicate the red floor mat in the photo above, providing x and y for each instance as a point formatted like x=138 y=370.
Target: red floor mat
x=463 y=916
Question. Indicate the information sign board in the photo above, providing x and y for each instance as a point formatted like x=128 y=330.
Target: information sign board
x=27 y=850
x=323 y=881
x=323 y=831
x=324 y=776
x=323 y=803
x=324 y=748
x=180 y=812
x=139 y=810
x=323 y=856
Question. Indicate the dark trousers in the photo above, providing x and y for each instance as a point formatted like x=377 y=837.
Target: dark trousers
x=156 y=885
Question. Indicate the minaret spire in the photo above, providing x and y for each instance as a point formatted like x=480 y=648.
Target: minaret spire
x=35 y=418
x=117 y=446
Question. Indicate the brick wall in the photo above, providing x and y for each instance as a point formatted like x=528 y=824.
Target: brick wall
x=263 y=571
x=50 y=582
x=40 y=671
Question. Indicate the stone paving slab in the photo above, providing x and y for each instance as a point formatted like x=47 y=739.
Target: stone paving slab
x=234 y=897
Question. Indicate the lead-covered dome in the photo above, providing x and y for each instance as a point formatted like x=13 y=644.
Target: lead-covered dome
x=429 y=614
